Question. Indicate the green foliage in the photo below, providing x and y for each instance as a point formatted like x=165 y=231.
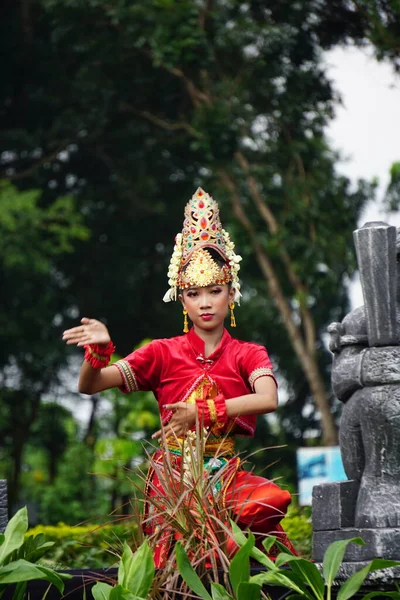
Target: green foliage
x=17 y=555
x=392 y=198
x=47 y=232
x=302 y=576
x=298 y=526
x=74 y=494
x=86 y=546
x=135 y=576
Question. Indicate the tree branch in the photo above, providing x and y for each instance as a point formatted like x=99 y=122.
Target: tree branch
x=162 y=123
x=273 y=226
x=27 y=172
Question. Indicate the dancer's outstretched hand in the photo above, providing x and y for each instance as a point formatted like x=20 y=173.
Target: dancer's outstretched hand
x=90 y=331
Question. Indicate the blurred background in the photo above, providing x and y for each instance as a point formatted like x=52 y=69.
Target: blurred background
x=112 y=113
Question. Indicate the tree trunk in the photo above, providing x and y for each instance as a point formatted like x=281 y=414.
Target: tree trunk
x=304 y=347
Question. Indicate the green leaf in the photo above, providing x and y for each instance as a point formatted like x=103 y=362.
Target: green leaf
x=334 y=556
x=305 y=570
x=257 y=554
x=21 y=570
x=117 y=592
x=381 y=594
x=353 y=584
x=101 y=591
x=219 y=592
x=248 y=591
x=19 y=591
x=136 y=570
x=239 y=569
x=14 y=533
x=285 y=579
x=188 y=574
x=268 y=542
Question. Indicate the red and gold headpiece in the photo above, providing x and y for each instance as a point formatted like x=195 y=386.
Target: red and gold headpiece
x=191 y=262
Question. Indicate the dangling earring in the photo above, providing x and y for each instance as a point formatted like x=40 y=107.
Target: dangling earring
x=233 y=320
x=185 y=321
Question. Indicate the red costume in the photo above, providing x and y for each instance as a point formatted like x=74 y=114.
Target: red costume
x=176 y=370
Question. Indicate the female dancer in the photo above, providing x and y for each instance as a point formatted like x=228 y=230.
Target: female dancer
x=205 y=374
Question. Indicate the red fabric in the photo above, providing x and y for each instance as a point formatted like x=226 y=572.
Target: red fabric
x=172 y=368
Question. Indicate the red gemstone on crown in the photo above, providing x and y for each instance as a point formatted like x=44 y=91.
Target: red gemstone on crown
x=201 y=204
x=204 y=236
x=203 y=222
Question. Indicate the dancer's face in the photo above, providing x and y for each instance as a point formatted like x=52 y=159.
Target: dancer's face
x=207 y=306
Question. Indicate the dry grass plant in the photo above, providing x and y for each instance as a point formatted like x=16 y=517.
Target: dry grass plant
x=192 y=511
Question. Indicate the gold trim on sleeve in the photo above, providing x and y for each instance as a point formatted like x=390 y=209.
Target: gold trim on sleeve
x=128 y=375
x=260 y=372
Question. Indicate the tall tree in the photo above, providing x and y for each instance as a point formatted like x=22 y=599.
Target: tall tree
x=32 y=240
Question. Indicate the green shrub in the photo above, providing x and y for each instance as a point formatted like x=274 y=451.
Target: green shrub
x=87 y=546
x=298 y=526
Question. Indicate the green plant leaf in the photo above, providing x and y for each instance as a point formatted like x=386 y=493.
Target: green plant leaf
x=21 y=570
x=305 y=570
x=33 y=548
x=248 y=591
x=283 y=548
x=101 y=591
x=117 y=592
x=268 y=542
x=14 y=533
x=219 y=592
x=257 y=554
x=285 y=579
x=239 y=569
x=334 y=556
x=353 y=584
x=136 y=570
x=188 y=574
x=19 y=591
x=381 y=594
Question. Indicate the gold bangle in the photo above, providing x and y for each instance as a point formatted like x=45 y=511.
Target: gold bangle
x=212 y=410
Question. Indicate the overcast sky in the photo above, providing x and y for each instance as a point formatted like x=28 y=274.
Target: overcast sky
x=367 y=126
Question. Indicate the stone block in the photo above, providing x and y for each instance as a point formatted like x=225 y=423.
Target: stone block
x=334 y=505
x=379 y=543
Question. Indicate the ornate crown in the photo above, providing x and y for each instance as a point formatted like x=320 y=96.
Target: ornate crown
x=191 y=263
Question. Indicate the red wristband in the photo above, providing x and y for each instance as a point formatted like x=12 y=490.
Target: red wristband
x=98 y=356
x=212 y=411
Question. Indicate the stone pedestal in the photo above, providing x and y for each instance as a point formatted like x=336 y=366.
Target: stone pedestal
x=3 y=505
x=366 y=378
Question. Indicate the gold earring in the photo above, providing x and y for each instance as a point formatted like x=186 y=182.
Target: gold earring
x=233 y=320
x=185 y=321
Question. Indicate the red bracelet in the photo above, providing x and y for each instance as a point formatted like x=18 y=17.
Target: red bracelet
x=98 y=356
x=212 y=411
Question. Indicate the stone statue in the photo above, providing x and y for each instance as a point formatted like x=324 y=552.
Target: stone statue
x=366 y=378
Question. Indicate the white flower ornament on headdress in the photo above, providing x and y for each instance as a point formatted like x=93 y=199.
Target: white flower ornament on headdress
x=234 y=264
x=173 y=270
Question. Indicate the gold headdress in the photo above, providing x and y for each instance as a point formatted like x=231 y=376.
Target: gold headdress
x=191 y=262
